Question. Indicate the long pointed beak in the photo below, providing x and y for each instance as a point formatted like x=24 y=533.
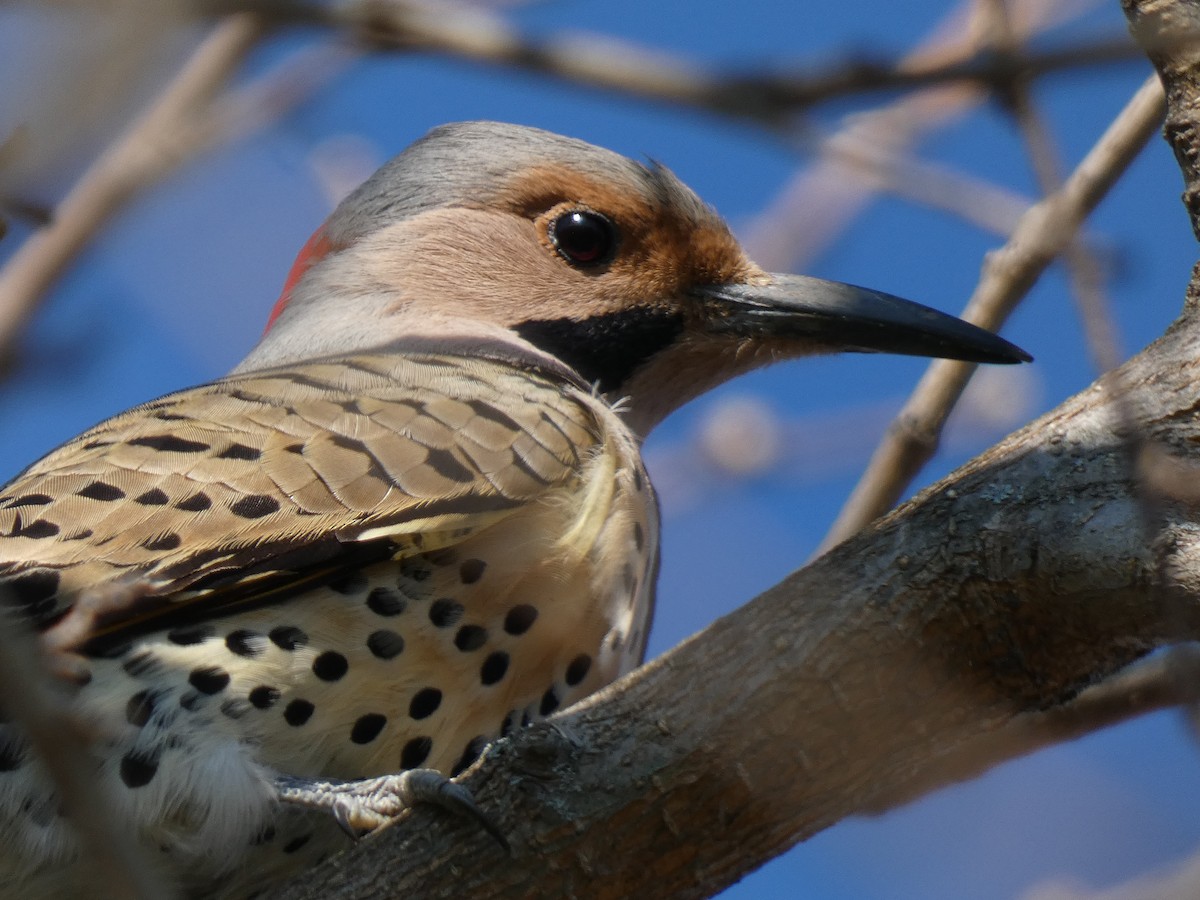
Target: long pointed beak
x=849 y=318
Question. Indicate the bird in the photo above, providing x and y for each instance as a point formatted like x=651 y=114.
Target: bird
x=412 y=520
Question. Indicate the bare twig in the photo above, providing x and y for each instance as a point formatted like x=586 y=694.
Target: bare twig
x=870 y=153
x=605 y=63
x=1085 y=270
x=955 y=61
x=150 y=147
x=1008 y=273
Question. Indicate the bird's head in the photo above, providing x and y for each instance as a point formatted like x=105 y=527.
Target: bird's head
x=484 y=232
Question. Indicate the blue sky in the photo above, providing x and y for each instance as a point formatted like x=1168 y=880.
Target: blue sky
x=178 y=288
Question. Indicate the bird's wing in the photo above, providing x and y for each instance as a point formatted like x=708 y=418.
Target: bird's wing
x=252 y=487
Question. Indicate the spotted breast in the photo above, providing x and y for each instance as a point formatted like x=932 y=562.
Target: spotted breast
x=396 y=564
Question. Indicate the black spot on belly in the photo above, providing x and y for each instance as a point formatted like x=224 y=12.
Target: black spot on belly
x=185 y=637
x=244 y=643
x=139 y=708
x=209 y=679
x=264 y=697
x=470 y=637
x=138 y=770
x=470 y=754
x=385 y=644
x=349 y=583
x=330 y=666
x=234 y=708
x=578 y=668
x=493 y=668
x=386 y=602
x=367 y=728
x=287 y=637
x=471 y=570
x=520 y=618
x=298 y=712
x=425 y=703
x=445 y=612
x=415 y=752
x=142 y=664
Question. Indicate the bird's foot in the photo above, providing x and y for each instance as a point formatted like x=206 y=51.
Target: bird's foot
x=360 y=807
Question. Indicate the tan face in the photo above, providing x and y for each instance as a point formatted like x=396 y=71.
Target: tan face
x=523 y=260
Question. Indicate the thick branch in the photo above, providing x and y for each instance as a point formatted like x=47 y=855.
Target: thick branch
x=944 y=632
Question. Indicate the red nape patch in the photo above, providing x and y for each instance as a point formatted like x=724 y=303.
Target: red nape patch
x=317 y=246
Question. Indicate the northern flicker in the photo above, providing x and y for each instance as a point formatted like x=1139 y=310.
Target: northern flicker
x=414 y=518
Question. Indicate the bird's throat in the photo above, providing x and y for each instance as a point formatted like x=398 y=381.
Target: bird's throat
x=605 y=349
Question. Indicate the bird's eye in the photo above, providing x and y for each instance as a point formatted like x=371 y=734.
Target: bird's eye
x=583 y=238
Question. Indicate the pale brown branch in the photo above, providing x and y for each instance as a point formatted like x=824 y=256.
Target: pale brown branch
x=602 y=62
x=1043 y=233
x=1100 y=331
x=954 y=60
x=870 y=153
x=150 y=147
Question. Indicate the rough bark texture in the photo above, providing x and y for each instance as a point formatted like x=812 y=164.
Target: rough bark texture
x=928 y=647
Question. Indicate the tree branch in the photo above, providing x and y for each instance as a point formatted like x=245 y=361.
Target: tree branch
x=945 y=633
x=156 y=142
x=1042 y=234
x=604 y=63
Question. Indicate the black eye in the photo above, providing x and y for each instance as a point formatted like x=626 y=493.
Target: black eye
x=583 y=238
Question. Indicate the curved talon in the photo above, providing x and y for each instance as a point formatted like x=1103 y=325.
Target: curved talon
x=347 y=812
x=431 y=786
x=361 y=807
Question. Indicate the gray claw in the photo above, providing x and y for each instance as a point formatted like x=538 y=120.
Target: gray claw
x=431 y=786
x=360 y=807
